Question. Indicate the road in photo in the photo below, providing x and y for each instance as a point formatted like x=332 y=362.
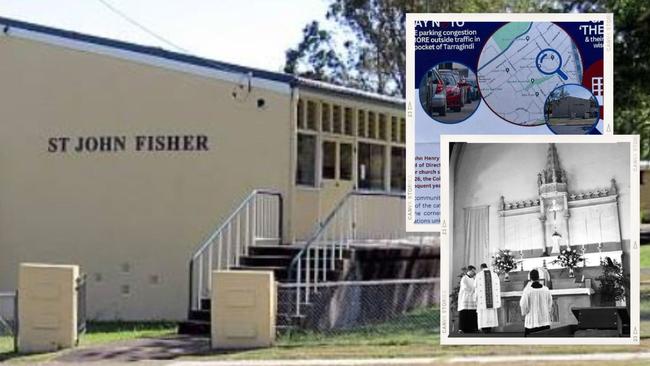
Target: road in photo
x=465 y=112
x=567 y=126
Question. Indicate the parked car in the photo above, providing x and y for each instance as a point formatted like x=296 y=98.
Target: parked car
x=476 y=95
x=454 y=92
x=463 y=89
x=467 y=89
x=437 y=94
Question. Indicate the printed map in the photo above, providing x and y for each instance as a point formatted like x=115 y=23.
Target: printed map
x=521 y=64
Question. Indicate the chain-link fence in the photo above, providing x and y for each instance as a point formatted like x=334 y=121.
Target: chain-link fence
x=8 y=321
x=370 y=308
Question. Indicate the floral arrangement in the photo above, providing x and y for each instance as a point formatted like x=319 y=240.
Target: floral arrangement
x=503 y=261
x=612 y=281
x=568 y=258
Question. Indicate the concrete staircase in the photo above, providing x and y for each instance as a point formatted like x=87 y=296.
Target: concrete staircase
x=276 y=258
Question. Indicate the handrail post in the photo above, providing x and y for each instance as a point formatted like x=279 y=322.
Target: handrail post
x=16 y=329
x=298 y=289
x=307 y=279
x=191 y=299
x=280 y=218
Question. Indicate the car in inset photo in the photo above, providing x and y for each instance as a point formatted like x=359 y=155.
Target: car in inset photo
x=433 y=94
x=458 y=84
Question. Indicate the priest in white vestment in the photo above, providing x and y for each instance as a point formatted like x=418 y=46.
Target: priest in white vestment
x=488 y=298
x=536 y=305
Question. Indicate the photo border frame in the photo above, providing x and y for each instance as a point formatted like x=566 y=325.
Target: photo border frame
x=445 y=249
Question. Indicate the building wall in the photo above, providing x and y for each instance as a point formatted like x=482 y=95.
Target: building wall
x=130 y=219
x=485 y=172
x=381 y=124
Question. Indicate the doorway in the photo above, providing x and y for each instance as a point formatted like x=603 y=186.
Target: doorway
x=337 y=172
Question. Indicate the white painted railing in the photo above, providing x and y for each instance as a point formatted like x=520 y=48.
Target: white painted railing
x=358 y=217
x=258 y=219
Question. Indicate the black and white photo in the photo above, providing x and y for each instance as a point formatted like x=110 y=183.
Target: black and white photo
x=540 y=239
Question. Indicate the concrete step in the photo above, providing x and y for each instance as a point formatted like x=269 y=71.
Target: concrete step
x=266 y=260
x=194 y=327
x=203 y=315
x=282 y=250
x=289 y=251
x=282 y=273
x=205 y=304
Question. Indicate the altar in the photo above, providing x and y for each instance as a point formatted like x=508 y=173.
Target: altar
x=567 y=293
x=539 y=229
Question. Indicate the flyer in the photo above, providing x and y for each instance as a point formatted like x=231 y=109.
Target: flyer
x=512 y=74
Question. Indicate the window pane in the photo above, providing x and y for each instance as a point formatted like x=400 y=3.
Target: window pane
x=329 y=160
x=372 y=125
x=345 y=165
x=300 y=121
x=337 y=119
x=361 y=124
x=306 y=160
x=326 y=117
x=371 y=166
x=382 y=127
x=394 y=129
x=398 y=169
x=348 y=121
x=311 y=115
x=402 y=130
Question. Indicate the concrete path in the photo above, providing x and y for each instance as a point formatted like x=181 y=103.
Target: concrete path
x=145 y=349
x=499 y=360
x=167 y=351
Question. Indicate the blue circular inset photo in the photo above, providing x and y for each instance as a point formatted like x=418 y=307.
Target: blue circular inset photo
x=571 y=109
x=449 y=92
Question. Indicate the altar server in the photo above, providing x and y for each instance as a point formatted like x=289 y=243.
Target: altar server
x=466 y=303
x=536 y=305
x=488 y=298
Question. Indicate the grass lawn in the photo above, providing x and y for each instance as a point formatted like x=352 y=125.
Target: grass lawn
x=413 y=335
x=6 y=345
x=645 y=256
x=104 y=332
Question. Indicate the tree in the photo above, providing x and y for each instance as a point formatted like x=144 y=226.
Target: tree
x=367 y=51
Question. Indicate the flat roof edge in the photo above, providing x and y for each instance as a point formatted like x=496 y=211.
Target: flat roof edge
x=130 y=51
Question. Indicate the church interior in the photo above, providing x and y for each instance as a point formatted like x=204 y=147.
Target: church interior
x=562 y=209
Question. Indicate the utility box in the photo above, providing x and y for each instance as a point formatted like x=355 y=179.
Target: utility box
x=243 y=309
x=47 y=307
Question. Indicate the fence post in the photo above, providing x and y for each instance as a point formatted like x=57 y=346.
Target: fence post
x=16 y=323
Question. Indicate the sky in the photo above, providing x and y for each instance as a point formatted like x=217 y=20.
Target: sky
x=253 y=33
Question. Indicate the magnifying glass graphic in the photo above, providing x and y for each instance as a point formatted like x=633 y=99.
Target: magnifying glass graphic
x=549 y=62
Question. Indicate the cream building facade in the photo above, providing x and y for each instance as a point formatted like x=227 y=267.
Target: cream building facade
x=123 y=158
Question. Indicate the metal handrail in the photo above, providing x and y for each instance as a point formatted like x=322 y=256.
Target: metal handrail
x=327 y=256
x=247 y=211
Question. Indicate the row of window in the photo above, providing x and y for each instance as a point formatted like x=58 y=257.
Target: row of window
x=333 y=118
x=337 y=159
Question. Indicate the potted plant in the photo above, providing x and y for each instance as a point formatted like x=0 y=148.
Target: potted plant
x=504 y=262
x=569 y=258
x=612 y=281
